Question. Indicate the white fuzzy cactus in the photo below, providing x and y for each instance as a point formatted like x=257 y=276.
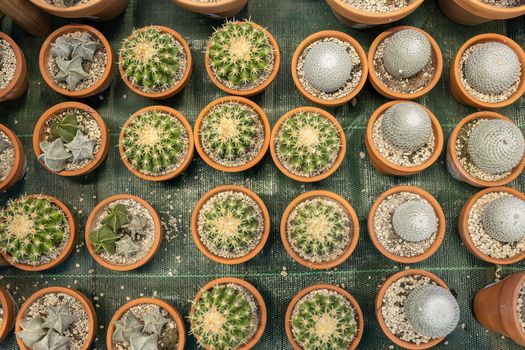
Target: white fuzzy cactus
x=407 y=126
x=432 y=311
x=406 y=53
x=504 y=219
x=496 y=146
x=415 y=221
x=492 y=68
x=327 y=66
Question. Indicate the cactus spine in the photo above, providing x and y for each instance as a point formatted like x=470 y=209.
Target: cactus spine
x=415 y=221
x=504 y=219
x=406 y=53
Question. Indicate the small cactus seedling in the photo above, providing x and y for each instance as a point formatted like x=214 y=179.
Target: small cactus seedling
x=406 y=53
x=504 y=219
x=415 y=221
x=81 y=147
x=65 y=127
x=143 y=333
x=432 y=311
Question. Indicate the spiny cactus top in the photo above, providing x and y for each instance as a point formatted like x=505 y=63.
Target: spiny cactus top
x=241 y=56
x=496 y=146
x=406 y=53
x=492 y=68
x=504 y=219
x=432 y=311
x=415 y=221
x=225 y=317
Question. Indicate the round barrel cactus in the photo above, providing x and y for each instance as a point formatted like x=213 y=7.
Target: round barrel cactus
x=504 y=219
x=415 y=220
x=406 y=53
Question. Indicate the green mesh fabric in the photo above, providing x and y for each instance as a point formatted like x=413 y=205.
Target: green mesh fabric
x=178 y=270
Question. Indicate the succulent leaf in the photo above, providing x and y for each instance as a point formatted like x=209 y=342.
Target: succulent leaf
x=85 y=48
x=81 y=147
x=52 y=341
x=154 y=322
x=61 y=48
x=504 y=219
x=406 y=53
x=116 y=217
x=65 y=127
x=104 y=239
x=70 y=71
x=137 y=226
x=126 y=247
x=144 y=342
x=32 y=330
x=59 y=318
x=126 y=327
x=55 y=156
x=415 y=221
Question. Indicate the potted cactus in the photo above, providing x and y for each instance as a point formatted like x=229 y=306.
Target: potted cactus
x=123 y=232
x=230 y=224
x=213 y=8
x=56 y=318
x=403 y=138
x=8 y=311
x=156 y=143
x=329 y=68
x=13 y=162
x=155 y=62
x=324 y=316
x=232 y=134
x=146 y=323
x=13 y=69
x=486 y=149
x=416 y=310
x=71 y=139
x=37 y=232
x=487 y=72
x=492 y=225
x=228 y=313
x=98 y=10
x=481 y=11
x=406 y=224
x=404 y=63
x=76 y=61
x=320 y=229
x=242 y=58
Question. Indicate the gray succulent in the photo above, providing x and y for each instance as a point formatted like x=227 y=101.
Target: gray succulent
x=52 y=341
x=62 y=47
x=137 y=226
x=415 y=220
x=504 y=219
x=55 y=156
x=85 y=48
x=59 y=318
x=154 y=322
x=144 y=342
x=70 y=71
x=406 y=53
x=81 y=147
x=32 y=330
x=126 y=327
x=126 y=247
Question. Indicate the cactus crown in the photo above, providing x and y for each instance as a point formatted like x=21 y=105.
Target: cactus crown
x=406 y=53
x=432 y=311
x=415 y=220
x=496 y=146
x=307 y=144
x=504 y=219
x=108 y=235
x=155 y=143
x=241 y=55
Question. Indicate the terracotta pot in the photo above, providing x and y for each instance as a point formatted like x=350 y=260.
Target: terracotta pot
x=379 y=303
x=257 y=296
x=383 y=165
x=464 y=230
x=305 y=291
x=174 y=89
x=320 y=36
x=440 y=235
x=81 y=298
x=264 y=121
x=437 y=58
x=91 y=221
x=68 y=248
x=20 y=164
x=160 y=303
x=218 y=9
x=32 y=19
x=357 y=19
x=349 y=249
x=40 y=131
x=9 y=313
x=496 y=308
x=96 y=10
x=340 y=157
x=457 y=89
x=18 y=86
x=455 y=168
x=475 y=12
x=263 y=85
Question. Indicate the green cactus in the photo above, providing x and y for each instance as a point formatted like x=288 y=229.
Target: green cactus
x=116 y=217
x=504 y=219
x=64 y=127
x=104 y=239
x=415 y=221
x=406 y=53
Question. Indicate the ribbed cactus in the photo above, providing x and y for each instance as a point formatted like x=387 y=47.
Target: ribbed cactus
x=54 y=155
x=324 y=319
x=307 y=144
x=504 y=219
x=496 y=146
x=406 y=53
x=432 y=311
x=327 y=66
x=415 y=221
x=81 y=147
x=492 y=68
x=241 y=55
x=65 y=127
x=31 y=228
x=141 y=334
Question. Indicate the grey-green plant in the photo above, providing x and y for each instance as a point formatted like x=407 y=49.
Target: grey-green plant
x=106 y=236
x=125 y=246
x=128 y=325
x=54 y=155
x=153 y=321
x=136 y=226
x=81 y=147
x=65 y=127
x=406 y=53
x=144 y=342
x=415 y=220
x=504 y=219
x=70 y=71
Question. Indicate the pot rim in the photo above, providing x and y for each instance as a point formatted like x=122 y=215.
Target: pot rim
x=9 y=313
x=18 y=161
x=208 y=6
x=21 y=65
x=477 y=6
x=347 y=10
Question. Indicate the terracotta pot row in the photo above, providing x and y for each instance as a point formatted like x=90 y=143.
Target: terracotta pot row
x=215 y=9
x=97 y=10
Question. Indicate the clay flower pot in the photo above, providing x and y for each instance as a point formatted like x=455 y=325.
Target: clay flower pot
x=199 y=144
x=96 y=10
x=18 y=85
x=43 y=60
x=41 y=130
x=214 y=9
x=476 y=12
x=440 y=234
x=9 y=313
x=496 y=307
x=20 y=162
x=175 y=315
x=341 y=291
x=457 y=88
x=349 y=248
x=324 y=35
x=382 y=88
x=90 y=226
x=385 y=166
x=458 y=171
x=80 y=297
x=357 y=19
